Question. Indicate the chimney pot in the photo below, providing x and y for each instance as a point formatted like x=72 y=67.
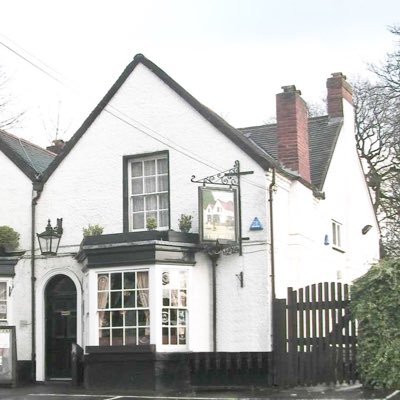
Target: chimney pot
x=338 y=90
x=291 y=89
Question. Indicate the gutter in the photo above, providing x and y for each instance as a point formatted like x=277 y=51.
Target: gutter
x=37 y=188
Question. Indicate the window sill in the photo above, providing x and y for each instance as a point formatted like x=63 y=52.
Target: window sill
x=340 y=250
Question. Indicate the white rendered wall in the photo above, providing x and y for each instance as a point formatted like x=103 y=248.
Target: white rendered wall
x=302 y=221
x=87 y=188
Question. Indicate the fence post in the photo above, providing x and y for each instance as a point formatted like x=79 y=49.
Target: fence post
x=279 y=342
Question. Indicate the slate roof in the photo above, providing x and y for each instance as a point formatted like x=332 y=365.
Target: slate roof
x=323 y=134
x=254 y=151
x=31 y=159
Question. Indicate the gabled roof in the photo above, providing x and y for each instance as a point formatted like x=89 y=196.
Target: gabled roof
x=254 y=151
x=31 y=159
x=323 y=134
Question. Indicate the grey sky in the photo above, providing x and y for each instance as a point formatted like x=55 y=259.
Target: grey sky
x=233 y=55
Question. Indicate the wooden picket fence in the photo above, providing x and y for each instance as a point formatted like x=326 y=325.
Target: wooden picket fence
x=315 y=336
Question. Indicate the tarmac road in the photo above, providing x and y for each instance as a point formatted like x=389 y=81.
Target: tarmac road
x=66 y=392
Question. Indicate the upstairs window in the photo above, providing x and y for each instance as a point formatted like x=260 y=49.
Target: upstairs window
x=148 y=192
x=336 y=234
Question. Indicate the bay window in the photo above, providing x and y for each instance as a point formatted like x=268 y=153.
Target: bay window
x=123 y=308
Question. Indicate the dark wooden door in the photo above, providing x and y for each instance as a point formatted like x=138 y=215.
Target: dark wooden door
x=60 y=299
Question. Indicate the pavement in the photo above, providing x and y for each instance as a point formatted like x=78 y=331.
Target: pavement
x=64 y=391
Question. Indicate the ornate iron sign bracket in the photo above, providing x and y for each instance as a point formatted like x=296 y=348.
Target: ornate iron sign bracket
x=231 y=178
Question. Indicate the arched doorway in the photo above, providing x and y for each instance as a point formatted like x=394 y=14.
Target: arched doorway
x=60 y=327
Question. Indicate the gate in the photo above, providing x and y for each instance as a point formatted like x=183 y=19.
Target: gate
x=315 y=337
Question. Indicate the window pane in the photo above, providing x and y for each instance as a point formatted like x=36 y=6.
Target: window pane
x=129 y=280
x=165 y=316
x=144 y=337
x=137 y=168
x=116 y=281
x=142 y=318
x=117 y=337
x=130 y=336
x=130 y=318
x=104 y=337
x=137 y=203
x=149 y=167
x=165 y=338
x=137 y=186
x=116 y=301
x=143 y=280
x=162 y=165
x=129 y=298
x=182 y=298
x=163 y=200
x=182 y=317
x=142 y=298
x=151 y=202
x=162 y=183
x=163 y=218
x=165 y=297
x=182 y=335
x=172 y=317
x=174 y=298
x=174 y=339
x=102 y=300
x=104 y=319
x=138 y=221
x=102 y=282
x=150 y=185
x=3 y=290
x=182 y=279
x=117 y=318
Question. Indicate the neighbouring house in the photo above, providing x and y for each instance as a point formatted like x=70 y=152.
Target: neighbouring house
x=141 y=299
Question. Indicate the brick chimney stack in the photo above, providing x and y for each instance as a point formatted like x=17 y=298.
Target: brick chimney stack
x=292 y=130
x=338 y=90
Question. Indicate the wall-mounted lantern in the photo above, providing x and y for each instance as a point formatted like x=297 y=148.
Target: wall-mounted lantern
x=49 y=240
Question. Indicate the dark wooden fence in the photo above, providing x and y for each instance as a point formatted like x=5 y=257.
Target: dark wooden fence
x=231 y=369
x=315 y=337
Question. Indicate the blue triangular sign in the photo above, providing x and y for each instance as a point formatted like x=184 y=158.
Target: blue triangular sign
x=256 y=225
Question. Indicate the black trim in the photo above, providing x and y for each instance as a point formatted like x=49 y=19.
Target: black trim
x=125 y=194
x=139 y=248
x=252 y=150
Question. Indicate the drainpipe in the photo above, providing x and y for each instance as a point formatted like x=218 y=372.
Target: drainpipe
x=271 y=230
x=37 y=188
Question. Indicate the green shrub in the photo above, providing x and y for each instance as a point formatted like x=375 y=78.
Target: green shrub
x=375 y=302
x=9 y=238
x=185 y=223
x=92 y=230
x=151 y=223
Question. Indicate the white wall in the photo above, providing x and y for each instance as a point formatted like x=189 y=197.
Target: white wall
x=87 y=188
x=302 y=221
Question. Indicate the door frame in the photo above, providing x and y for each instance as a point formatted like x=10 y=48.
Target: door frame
x=40 y=316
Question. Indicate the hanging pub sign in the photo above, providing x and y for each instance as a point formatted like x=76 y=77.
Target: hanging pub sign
x=218 y=214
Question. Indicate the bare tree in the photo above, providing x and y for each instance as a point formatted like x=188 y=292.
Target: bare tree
x=377 y=112
x=7 y=118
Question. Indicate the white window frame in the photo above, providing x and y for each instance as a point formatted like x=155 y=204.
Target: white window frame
x=337 y=235
x=158 y=193
x=123 y=309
